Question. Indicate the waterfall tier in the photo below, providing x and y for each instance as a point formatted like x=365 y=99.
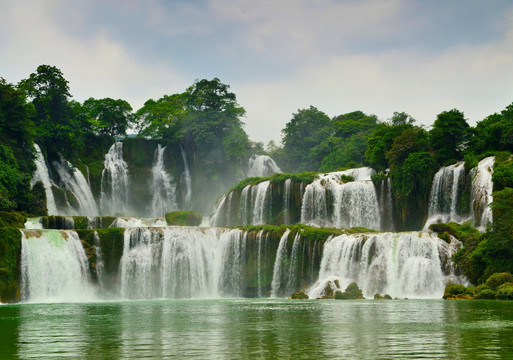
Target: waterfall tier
x=190 y=262
x=262 y=166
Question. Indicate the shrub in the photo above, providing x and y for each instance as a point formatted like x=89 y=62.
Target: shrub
x=183 y=218
x=299 y=295
x=457 y=291
x=352 y=292
x=505 y=292
x=497 y=279
x=485 y=294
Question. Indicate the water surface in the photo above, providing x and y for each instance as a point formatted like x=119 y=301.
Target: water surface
x=263 y=328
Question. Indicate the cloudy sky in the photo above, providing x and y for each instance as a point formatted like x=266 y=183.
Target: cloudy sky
x=278 y=56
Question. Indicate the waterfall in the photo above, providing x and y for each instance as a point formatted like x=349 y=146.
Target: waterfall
x=260 y=193
x=231 y=263
x=400 y=264
x=443 y=198
x=186 y=181
x=54 y=267
x=353 y=203
x=164 y=199
x=100 y=266
x=170 y=262
x=286 y=201
x=281 y=258
x=244 y=211
x=218 y=218
x=42 y=174
x=115 y=187
x=262 y=166
x=73 y=181
x=482 y=188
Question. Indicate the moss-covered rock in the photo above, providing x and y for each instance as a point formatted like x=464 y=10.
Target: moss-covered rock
x=384 y=297
x=351 y=292
x=299 y=295
x=184 y=218
x=12 y=219
x=10 y=264
x=457 y=292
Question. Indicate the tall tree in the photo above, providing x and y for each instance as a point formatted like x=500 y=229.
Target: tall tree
x=306 y=130
x=449 y=136
x=109 y=116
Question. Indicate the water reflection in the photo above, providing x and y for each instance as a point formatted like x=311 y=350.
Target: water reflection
x=240 y=328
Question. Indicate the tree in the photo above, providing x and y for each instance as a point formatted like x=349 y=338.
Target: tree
x=109 y=116
x=49 y=93
x=411 y=140
x=161 y=119
x=305 y=131
x=449 y=136
x=494 y=133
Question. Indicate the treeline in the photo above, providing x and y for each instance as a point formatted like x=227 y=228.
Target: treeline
x=205 y=120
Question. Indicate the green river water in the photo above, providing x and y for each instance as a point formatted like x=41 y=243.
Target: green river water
x=258 y=329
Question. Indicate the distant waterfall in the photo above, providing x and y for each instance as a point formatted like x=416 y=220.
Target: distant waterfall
x=262 y=166
x=54 y=267
x=115 y=187
x=482 y=188
x=443 y=198
x=186 y=182
x=41 y=174
x=73 y=181
x=400 y=264
x=354 y=203
x=164 y=198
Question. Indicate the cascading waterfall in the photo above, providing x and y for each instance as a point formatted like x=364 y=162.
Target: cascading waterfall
x=443 y=198
x=260 y=195
x=276 y=286
x=354 y=203
x=244 y=205
x=168 y=262
x=231 y=263
x=100 y=266
x=262 y=166
x=164 y=198
x=42 y=174
x=482 y=188
x=74 y=182
x=54 y=267
x=115 y=186
x=186 y=181
x=400 y=264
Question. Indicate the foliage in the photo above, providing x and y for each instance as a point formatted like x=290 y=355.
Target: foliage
x=505 y=291
x=494 y=132
x=12 y=219
x=449 y=136
x=485 y=294
x=162 y=119
x=503 y=172
x=301 y=137
x=457 y=292
x=497 y=279
x=10 y=260
x=109 y=116
x=183 y=218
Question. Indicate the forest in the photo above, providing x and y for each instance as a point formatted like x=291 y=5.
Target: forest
x=207 y=121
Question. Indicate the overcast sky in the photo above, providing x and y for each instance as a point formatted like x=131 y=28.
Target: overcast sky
x=278 y=56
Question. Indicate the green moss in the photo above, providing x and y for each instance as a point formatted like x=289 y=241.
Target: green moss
x=299 y=295
x=485 y=294
x=305 y=178
x=10 y=264
x=352 y=292
x=184 y=218
x=12 y=219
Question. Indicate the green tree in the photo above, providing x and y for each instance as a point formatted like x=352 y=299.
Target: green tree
x=109 y=116
x=449 y=136
x=306 y=130
x=49 y=92
x=494 y=133
x=162 y=119
x=414 y=139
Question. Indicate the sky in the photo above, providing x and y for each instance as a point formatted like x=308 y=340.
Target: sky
x=278 y=56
